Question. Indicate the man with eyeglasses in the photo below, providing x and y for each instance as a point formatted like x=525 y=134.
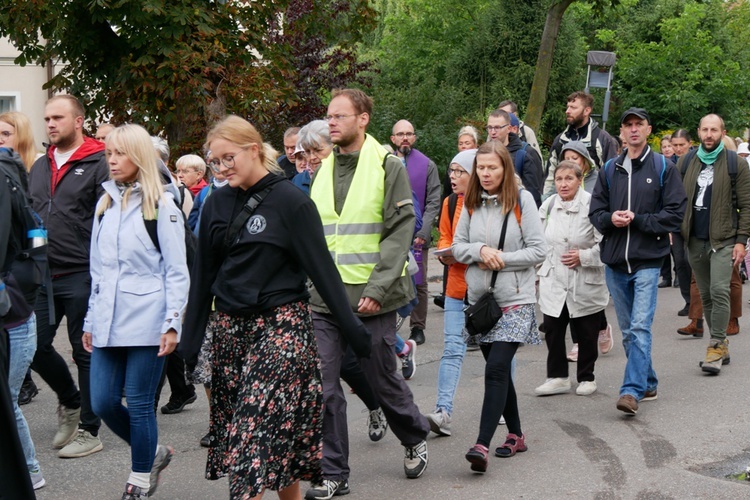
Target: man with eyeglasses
x=425 y=183
x=527 y=162
x=365 y=203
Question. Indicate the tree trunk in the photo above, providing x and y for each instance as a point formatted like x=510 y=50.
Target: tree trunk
x=538 y=97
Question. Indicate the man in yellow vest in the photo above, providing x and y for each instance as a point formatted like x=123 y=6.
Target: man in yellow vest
x=365 y=202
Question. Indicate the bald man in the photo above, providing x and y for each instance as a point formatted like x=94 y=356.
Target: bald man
x=425 y=183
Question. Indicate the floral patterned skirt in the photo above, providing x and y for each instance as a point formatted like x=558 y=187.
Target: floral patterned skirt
x=266 y=401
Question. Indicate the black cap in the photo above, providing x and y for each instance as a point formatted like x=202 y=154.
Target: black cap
x=639 y=112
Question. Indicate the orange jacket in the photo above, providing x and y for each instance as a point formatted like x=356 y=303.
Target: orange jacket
x=456 y=287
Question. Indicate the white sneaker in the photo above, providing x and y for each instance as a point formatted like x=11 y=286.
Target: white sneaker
x=573 y=354
x=605 y=340
x=502 y=421
x=440 y=422
x=586 y=388
x=553 y=386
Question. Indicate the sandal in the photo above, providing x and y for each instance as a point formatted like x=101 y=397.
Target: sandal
x=512 y=445
x=477 y=456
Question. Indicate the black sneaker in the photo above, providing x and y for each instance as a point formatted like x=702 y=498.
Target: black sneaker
x=328 y=489
x=409 y=361
x=177 y=405
x=417 y=335
x=133 y=492
x=415 y=460
x=27 y=392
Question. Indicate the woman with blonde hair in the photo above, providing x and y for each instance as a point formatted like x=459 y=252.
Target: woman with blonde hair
x=16 y=133
x=500 y=237
x=139 y=283
x=260 y=238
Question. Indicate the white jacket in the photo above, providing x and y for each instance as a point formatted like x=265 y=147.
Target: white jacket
x=137 y=292
x=583 y=288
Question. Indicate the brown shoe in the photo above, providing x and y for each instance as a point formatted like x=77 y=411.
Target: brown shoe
x=733 y=328
x=627 y=404
x=717 y=355
x=695 y=328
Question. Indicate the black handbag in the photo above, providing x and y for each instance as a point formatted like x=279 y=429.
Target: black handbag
x=482 y=315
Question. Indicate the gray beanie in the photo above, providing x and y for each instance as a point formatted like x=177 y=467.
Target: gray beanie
x=579 y=148
x=465 y=159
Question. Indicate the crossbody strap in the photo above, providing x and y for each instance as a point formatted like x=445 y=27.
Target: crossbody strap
x=500 y=245
x=233 y=232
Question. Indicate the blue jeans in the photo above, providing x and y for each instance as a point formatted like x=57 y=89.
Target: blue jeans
x=137 y=370
x=454 y=349
x=634 y=296
x=22 y=349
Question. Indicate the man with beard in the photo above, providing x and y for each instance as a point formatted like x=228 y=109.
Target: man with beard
x=716 y=228
x=526 y=160
x=425 y=182
x=365 y=204
x=581 y=127
x=65 y=185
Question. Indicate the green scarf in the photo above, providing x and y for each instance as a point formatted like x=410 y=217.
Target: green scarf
x=710 y=158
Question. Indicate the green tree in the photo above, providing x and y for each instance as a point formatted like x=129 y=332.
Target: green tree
x=176 y=66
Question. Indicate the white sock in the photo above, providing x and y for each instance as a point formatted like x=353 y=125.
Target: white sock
x=140 y=479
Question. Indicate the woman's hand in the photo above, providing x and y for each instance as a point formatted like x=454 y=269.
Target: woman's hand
x=447 y=260
x=86 y=340
x=491 y=258
x=167 y=343
x=571 y=258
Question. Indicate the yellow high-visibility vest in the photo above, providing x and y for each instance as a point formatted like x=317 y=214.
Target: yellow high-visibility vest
x=353 y=237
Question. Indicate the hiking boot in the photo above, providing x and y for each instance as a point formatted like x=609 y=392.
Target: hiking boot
x=417 y=335
x=684 y=311
x=178 y=404
x=717 y=354
x=733 y=328
x=67 y=426
x=28 y=391
x=409 y=361
x=133 y=492
x=415 y=459
x=553 y=386
x=377 y=425
x=328 y=489
x=477 y=456
x=586 y=388
x=163 y=456
x=649 y=396
x=573 y=354
x=84 y=444
x=695 y=328
x=605 y=339
x=440 y=422
x=627 y=404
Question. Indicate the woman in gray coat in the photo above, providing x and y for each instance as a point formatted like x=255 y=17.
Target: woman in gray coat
x=140 y=282
x=493 y=196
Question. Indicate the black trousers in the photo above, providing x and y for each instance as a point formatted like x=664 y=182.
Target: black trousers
x=14 y=475
x=71 y=298
x=585 y=330
x=499 y=392
x=681 y=265
x=174 y=371
x=354 y=375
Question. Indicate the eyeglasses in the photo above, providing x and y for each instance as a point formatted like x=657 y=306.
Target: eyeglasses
x=338 y=118
x=6 y=133
x=227 y=161
x=495 y=128
x=407 y=135
x=458 y=172
x=185 y=171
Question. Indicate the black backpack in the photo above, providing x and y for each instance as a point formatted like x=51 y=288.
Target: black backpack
x=29 y=265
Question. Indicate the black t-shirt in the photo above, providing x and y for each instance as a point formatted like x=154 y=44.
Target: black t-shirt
x=702 y=202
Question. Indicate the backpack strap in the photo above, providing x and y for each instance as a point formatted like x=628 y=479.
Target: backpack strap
x=520 y=158
x=592 y=147
x=608 y=171
x=151 y=229
x=233 y=233
x=732 y=171
x=686 y=161
x=452 y=204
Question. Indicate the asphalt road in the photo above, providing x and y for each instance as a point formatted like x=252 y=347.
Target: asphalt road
x=680 y=446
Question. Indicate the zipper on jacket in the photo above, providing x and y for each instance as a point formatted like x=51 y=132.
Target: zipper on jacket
x=627 y=238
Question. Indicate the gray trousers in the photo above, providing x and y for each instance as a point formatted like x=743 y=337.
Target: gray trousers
x=384 y=375
x=713 y=273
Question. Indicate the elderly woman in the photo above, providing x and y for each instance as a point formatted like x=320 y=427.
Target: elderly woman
x=191 y=170
x=315 y=142
x=493 y=201
x=577 y=152
x=572 y=289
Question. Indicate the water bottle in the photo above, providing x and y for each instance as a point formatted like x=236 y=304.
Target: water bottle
x=37 y=237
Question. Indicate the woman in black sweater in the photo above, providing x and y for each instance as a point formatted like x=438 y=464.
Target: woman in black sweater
x=266 y=399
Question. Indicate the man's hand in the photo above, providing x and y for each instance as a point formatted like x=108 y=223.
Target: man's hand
x=418 y=242
x=738 y=253
x=622 y=218
x=167 y=343
x=368 y=306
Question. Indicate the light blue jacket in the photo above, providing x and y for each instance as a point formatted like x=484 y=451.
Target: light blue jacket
x=137 y=292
